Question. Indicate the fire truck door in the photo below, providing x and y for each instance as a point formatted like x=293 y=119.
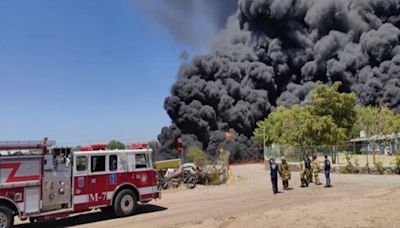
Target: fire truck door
x=97 y=181
x=81 y=174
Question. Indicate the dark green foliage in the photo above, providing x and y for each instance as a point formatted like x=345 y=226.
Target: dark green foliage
x=115 y=145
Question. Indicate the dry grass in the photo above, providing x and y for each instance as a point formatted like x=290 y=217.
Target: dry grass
x=362 y=159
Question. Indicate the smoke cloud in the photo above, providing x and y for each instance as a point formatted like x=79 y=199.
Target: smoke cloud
x=271 y=53
x=191 y=22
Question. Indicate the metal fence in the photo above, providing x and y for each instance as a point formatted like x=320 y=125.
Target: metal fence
x=338 y=154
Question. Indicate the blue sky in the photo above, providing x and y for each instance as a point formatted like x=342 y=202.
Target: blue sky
x=82 y=71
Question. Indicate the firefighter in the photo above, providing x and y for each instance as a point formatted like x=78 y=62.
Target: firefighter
x=285 y=173
x=303 y=173
x=327 y=167
x=274 y=169
x=315 y=170
x=308 y=170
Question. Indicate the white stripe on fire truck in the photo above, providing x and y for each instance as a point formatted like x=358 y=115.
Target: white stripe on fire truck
x=79 y=199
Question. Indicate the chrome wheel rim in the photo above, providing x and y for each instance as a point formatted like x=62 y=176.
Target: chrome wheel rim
x=127 y=204
x=3 y=220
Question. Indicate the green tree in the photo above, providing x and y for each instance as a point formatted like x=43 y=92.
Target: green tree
x=324 y=131
x=115 y=145
x=375 y=122
x=297 y=126
x=329 y=119
x=77 y=148
x=290 y=126
x=328 y=101
x=260 y=133
x=396 y=123
x=280 y=127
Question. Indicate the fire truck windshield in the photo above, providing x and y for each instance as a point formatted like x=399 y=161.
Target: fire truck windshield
x=141 y=161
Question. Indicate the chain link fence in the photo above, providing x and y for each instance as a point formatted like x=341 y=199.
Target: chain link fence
x=358 y=154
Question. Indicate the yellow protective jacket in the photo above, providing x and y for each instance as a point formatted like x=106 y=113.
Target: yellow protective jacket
x=285 y=172
x=302 y=168
x=315 y=166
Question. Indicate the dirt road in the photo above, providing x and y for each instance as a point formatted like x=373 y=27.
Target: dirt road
x=354 y=201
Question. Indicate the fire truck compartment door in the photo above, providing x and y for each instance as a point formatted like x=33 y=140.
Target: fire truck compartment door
x=32 y=200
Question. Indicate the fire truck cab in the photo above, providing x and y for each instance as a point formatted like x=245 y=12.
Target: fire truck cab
x=39 y=182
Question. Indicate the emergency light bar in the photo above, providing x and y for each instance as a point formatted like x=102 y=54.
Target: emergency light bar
x=138 y=146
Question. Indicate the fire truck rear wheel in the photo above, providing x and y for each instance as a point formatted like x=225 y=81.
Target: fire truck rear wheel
x=6 y=217
x=125 y=203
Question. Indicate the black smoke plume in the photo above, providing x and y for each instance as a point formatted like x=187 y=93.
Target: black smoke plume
x=271 y=53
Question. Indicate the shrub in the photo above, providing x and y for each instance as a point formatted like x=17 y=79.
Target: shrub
x=379 y=166
x=367 y=169
x=197 y=156
x=215 y=177
x=349 y=168
x=397 y=163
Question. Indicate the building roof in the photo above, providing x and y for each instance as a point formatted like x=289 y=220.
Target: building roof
x=376 y=137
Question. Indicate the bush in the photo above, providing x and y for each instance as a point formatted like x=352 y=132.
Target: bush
x=397 y=163
x=349 y=168
x=215 y=178
x=379 y=166
x=367 y=169
x=197 y=156
x=218 y=176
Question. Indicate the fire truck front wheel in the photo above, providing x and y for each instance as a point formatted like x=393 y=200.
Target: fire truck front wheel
x=6 y=217
x=125 y=203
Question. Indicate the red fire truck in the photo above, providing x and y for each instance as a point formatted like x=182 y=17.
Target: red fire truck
x=39 y=181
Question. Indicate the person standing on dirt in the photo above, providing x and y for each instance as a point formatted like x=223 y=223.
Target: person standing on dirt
x=308 y=170
x=274 y=170
x=315 y=169
x=303 y=173
x=327 y=167
x=285 y=173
